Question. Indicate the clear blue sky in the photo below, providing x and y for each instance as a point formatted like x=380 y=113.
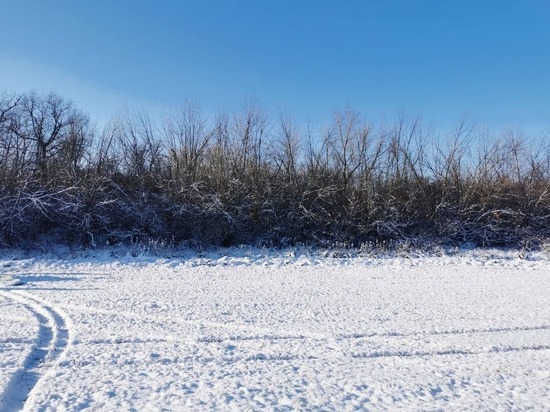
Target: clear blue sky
x=490 y=59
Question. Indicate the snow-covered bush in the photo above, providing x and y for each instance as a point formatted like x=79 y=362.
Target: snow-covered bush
x=239 y=178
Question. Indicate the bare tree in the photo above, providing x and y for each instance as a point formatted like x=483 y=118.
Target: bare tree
x=141 y=148
x=187 y=135
x=285 y=150
x=50 y=123
x=249 y=132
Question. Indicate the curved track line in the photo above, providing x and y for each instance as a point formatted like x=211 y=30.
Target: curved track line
x=49 y=349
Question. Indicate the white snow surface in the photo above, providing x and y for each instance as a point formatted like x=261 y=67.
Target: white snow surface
x=255 y=329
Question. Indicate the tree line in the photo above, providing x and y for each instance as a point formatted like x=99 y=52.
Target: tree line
x=244 y=177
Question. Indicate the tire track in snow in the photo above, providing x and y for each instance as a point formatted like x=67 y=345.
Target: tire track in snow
x=252 y=332
x=361 y=335
x=49 y=349
x=458 y=352
x=445 y=332
x=207 y=339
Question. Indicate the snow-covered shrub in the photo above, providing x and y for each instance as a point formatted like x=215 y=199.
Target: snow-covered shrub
x=240 y=179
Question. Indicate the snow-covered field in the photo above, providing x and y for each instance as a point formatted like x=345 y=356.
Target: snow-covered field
x=275 y=330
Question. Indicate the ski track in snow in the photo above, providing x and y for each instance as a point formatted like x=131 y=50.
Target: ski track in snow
x=290 y=333
x=51 y=344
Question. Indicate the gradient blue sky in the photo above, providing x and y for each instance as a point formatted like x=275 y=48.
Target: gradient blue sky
x=490 y=59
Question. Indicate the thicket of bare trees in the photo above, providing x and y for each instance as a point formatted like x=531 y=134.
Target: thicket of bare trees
x=242 y=178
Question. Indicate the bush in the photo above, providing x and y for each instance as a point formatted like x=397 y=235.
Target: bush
x=239 y=179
